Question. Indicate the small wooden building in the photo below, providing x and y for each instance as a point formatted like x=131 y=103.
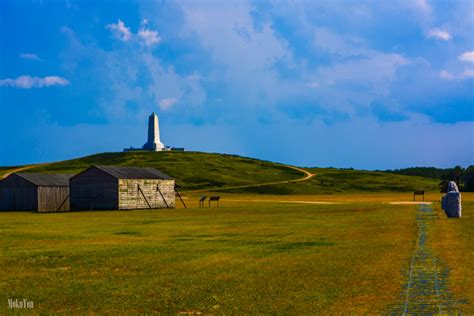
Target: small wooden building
x=35 y=192
x=121 y=188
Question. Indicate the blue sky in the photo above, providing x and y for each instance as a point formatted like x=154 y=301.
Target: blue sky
x=364 y=84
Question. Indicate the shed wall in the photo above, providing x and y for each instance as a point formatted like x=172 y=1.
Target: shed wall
x=93 y=190
x=17 y=194
x=130 y=196
x=53 y=199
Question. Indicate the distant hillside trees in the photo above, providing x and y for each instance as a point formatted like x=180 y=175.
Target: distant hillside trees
x=464 y=177
x=468 y=179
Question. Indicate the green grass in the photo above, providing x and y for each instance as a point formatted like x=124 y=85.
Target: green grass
x=8 y=168
x=192 y=170
x=454 y=242
x=333 y=181
x=196 y=170
x=4 y=170
x=247 y=259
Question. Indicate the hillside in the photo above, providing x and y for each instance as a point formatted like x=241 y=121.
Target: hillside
x=4 y=170
x=197 y=170
x=192 y=170
x=464 y=177
x=330 y=180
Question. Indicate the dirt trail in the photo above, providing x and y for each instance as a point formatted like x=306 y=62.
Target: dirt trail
x=21 y=169
x=307 y=175
x=282 y=201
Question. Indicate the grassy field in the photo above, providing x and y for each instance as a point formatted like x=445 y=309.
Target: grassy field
x=192 y=170
x=195 y=170
x=333 y=244
x=334 y=181
x=229 y=199
x=453 y=240
x=4 y=170
x=255 y=258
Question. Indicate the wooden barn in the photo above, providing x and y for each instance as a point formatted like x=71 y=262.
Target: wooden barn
x=121 y=188
x=35 y=192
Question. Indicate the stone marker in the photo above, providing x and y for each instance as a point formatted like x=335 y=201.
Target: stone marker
x=451 y=202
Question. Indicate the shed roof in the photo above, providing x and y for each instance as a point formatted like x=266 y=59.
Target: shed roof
x=134 y=172
x=46 y=179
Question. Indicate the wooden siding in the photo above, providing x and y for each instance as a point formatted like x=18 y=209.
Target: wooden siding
x=53 y=199
x=17 y=194
x=93 y=189
x=130 y=196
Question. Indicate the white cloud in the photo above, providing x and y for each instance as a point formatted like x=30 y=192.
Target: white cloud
x=30 y=56
x=244 y=55
x=134 y=89
x=466 y=74
x=446 y=75
x=167 y=103
x=373 y=68
x=423 y=6
x=148 y=37
x=28 y=82
x=467 y=56
x=120 y=31
x=439 y=34
x=145 y=36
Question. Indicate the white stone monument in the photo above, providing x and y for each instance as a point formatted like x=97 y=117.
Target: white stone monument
x=153 y=143
x=451 y=202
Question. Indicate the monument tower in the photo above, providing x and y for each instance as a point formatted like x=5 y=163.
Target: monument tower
x=153 y=143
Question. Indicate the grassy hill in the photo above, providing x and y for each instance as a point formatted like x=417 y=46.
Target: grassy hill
x=330 y=180
x=4 y=170
x=192 y=170
x=197 y=170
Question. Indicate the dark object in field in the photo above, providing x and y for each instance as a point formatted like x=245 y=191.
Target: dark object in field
x=422 y=193
x=201 y=200
x=451 y=202
x=179 y=195
x=35 y=192
x=111 y=188
x=214 y=198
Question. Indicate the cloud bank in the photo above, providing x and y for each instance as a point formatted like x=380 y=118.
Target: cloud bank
x=439 y=34
x=120 y=31
x=144 y=36
x=28 y=82
x=467 y=57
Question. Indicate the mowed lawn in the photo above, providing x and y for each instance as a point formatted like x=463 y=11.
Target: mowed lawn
x=248 y=259
x=454 y=242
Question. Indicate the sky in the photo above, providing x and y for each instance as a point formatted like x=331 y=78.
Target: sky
x=362 y=84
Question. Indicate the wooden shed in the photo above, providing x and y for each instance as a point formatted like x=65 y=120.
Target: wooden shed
x=121 y=188
x=35 y=192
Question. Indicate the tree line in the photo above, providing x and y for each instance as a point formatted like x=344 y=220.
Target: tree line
x=464 y=177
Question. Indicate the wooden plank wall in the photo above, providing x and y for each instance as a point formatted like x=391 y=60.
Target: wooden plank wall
x=17 y=194
x=131 y=198
x=93 y=190
x=51 y=198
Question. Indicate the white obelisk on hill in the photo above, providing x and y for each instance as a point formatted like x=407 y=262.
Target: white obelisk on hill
x=153 y=143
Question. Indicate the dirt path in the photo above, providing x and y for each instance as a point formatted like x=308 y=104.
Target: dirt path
x=426 y=291
x=307 y=175
x=21 y=169
x=282 y=201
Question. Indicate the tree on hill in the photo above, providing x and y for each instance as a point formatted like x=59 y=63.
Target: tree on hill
x=468 y=179
x=464 y=178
